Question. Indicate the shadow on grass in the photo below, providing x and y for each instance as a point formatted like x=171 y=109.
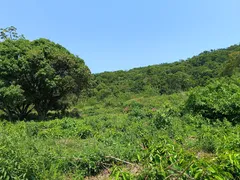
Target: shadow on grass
x=74 y=113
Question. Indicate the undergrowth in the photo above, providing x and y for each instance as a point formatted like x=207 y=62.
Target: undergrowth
x=142 y=138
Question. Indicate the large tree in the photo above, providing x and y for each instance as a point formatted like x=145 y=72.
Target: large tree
x=45 y=74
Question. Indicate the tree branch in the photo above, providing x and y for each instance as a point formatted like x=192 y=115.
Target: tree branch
x=126 y=162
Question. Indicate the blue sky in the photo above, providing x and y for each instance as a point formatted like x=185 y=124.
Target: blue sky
x=122 y=34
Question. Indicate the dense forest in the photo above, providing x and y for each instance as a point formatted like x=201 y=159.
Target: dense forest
x=173 y=121
x=165 y=78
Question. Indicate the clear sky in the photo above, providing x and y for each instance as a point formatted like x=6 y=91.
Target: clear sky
x=123 y=34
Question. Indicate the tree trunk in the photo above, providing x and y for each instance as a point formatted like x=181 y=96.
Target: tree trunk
x=24 y=111
x=9 y=114
x=42 y=114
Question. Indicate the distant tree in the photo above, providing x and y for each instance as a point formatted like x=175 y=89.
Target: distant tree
x=44 y=74
x=233 y=64
x=168 y=78
x=9 y=32
x=179 y=81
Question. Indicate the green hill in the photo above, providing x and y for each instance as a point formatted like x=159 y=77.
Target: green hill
x=170 y=121
x=165 y=78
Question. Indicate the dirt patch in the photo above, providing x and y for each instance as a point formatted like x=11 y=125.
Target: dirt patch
x=104 y=175
x=204 y=155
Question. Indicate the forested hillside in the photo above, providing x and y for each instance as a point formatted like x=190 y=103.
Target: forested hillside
x=171 y=121
x=165 y=78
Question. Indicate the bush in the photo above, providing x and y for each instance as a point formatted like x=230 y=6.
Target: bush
x=218 y=100
x=161 y=120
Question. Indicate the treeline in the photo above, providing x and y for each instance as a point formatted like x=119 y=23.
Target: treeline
x=166 y=78
x=40 y=76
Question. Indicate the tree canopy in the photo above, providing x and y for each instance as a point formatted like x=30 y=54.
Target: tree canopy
x=39 y=75
x=9 y=33
x=168 y=78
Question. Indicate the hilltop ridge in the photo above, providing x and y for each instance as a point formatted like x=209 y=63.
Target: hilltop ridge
x=166 y=78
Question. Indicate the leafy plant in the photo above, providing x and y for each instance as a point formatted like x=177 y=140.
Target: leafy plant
x=218 y=100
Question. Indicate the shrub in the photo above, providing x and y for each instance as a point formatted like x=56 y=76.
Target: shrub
x=218 y=100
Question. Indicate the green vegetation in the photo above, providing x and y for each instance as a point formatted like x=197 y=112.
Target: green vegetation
x=217 y=100
x=168 y=78
x=169 y=121
x=38 y=75
x=142 y=138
